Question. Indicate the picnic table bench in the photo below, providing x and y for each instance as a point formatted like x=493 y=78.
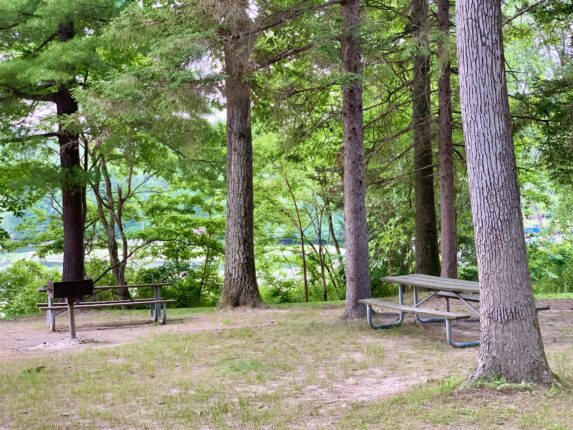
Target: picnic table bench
x=157 y=305
x=442 y=288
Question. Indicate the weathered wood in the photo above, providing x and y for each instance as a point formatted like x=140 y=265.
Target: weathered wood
x=415 y=310
x=466 y=297
x=114 y=287
x=435 y=283
x=101 y=302
x=104 y=305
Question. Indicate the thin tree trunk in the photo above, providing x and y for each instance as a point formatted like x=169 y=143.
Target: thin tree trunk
x=321 y=258
x=333 y=234
x=240 y=285
x=448 y=242
x=72 y=187
x=107 y=205
x=301 y=235
x=511 y=345
x=426 y=240
x=355 y=227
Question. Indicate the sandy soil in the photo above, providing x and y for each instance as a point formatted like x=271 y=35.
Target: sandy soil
x=30 y=337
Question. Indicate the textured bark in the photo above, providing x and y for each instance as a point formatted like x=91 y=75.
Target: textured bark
x=448 y=241
x=511 y=345
x=73 y=189
x=240 y=285
x=355 y=227
x=426 y=240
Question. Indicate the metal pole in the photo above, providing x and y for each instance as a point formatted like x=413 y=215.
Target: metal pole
x=72 y=317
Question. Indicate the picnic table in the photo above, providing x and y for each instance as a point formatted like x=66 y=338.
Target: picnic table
x=467 y=292
x=157 y=305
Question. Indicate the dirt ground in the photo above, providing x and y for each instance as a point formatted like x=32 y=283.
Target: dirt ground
x=30 y=337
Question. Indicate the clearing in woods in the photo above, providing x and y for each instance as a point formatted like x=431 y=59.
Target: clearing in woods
x=292 y=367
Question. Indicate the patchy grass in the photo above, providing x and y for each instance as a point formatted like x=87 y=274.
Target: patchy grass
x=450 y=404
x=302 y=367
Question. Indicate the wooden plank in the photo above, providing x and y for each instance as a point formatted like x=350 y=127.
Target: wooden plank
x=104 y=305
x=118 y=302
x=450 y=295
x=432 y=284
x=437 y=280
x=113 y=287
x=415 y=310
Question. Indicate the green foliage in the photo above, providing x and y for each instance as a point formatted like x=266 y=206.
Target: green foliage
x=551 y=266
x=190 y=286
x=18 y=287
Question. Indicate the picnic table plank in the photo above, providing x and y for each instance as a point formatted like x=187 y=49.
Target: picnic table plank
x=414 y=309
x=88 y=305
x=435 y=283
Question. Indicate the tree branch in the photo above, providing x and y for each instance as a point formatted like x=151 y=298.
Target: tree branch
x=30 y=137
x=278 y=18
x=283 y=55
x=523 y=11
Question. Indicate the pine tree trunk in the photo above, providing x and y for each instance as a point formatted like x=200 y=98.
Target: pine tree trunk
x=355 y=227
x=72 y=189
x=448 y=240
x=240 y=284
x=426 y=240
x=511 y=345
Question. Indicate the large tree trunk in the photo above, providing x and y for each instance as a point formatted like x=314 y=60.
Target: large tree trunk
x=240 y=285
x=355 y=227
x=448 y=241
x=426 y=241
x=511 y=345
x=73 y=189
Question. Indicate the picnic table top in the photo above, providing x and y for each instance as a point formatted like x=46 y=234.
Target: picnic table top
x=113 y=287
x=435 y=283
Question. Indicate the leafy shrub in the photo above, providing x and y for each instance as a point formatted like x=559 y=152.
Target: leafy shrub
x=551 y=266
x=276 y=290
x=186 y=286
x=18 y=287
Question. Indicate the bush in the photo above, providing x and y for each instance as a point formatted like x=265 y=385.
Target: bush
x=18 y=287
x=551 y=266
x=185 y=282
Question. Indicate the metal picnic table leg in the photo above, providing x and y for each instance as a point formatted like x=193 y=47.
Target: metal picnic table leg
x=158 y=316
x=51 y=315
x=370 y=312
x=455 y=344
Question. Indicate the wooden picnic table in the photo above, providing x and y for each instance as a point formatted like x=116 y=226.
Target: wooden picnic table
x=157 y=305
x=442 y=288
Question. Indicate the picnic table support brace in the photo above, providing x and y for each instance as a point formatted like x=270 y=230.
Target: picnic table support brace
x=418 y=303
x=454 y=343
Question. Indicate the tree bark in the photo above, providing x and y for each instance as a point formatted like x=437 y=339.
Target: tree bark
x=426 y=240
x=240 y=284
x=448 y=240
x=73 y=188
x=355 y=225
x=511 y=345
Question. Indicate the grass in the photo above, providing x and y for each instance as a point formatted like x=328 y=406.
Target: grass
x=551 y=296
x=308 y=369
